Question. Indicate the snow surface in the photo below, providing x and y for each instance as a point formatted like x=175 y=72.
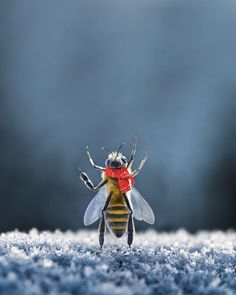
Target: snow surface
x=159 y=263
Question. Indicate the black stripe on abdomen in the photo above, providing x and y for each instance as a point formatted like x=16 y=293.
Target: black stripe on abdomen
x=109 y=215
x=117 y=223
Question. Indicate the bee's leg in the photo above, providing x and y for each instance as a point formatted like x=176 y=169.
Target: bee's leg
x=133 y=152
x=130 y=230
x=101 y=231
x=84 y=177
x=102 y=225
x=91 y=161
x=130 y=223
x=136 y=171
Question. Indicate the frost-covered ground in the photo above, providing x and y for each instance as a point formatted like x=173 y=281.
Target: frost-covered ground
x=159 y=263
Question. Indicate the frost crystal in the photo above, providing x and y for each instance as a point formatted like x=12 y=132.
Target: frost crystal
x=159 y=263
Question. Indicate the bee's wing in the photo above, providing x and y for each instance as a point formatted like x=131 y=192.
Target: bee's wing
x=141 y=209
x=95 y=207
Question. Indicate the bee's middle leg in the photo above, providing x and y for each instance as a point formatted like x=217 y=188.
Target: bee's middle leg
x=136 y=171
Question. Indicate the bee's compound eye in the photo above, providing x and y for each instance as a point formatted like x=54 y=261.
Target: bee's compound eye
x=107 y=162
x=124 y=159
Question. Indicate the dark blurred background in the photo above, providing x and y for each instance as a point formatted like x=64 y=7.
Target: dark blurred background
x=76 y=73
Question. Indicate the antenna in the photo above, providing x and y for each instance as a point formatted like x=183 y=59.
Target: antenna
x=123 y=143
x=105 y=149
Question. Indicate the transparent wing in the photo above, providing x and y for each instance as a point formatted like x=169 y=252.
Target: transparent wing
x=141 y=209
x=95 y=207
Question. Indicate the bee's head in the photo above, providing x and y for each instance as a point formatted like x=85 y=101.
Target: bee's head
x=116 y=160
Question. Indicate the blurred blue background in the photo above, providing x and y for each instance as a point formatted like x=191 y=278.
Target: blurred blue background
x=97 y=73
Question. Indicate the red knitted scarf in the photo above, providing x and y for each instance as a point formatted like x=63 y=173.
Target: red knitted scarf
x=123 y=176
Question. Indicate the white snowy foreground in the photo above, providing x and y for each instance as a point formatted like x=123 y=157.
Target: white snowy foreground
x=159 y=263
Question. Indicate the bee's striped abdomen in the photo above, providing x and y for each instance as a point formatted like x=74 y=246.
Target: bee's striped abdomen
x=117 y=218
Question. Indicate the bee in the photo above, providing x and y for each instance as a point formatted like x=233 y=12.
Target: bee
x=117 y=201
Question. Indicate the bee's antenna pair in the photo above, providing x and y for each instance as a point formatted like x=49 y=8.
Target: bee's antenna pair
x=105 y=149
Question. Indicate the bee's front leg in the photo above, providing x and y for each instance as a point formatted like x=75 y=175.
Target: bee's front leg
x=84 y=177
x=92 y=162
x=136 y=171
